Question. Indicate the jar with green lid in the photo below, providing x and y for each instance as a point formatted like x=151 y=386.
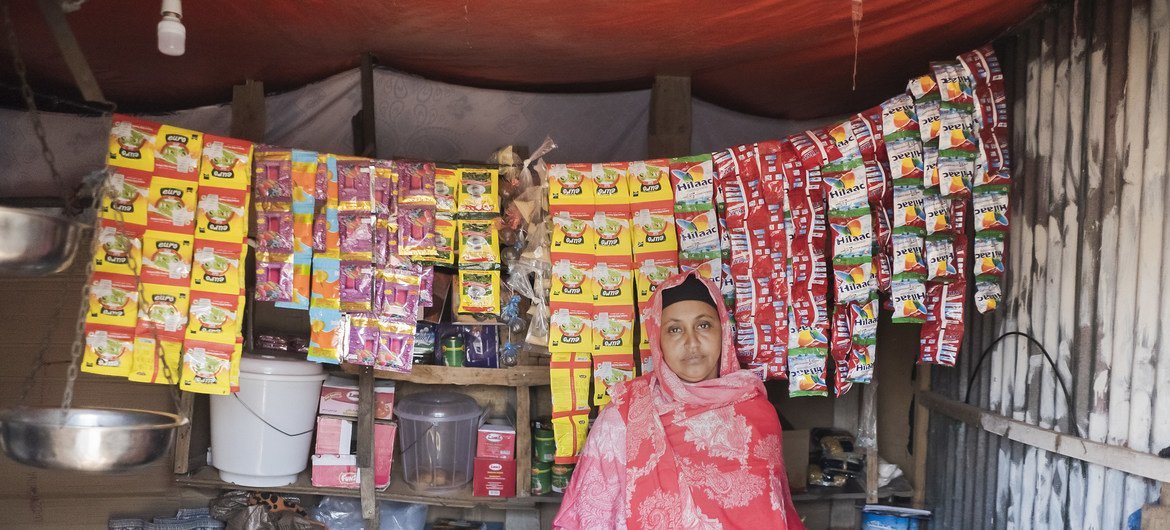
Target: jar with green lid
x=561 y=474
x=543 y=445
x=541 y=478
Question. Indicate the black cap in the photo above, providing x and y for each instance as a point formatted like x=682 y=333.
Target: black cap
x=690 y=289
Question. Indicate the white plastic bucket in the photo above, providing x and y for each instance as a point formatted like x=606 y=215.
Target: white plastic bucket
x=261 y=436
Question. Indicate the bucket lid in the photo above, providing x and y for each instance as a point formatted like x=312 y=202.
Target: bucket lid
x=437 y=405
x=269 y=365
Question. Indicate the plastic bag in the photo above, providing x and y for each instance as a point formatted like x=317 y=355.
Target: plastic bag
x=344 y=513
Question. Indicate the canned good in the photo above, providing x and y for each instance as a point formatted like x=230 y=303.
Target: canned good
x=561 y=475
x=541 y=478
x=453 y=351
x=544 y=445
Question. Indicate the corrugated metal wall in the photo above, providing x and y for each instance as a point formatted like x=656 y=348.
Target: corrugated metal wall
x=1089 y=97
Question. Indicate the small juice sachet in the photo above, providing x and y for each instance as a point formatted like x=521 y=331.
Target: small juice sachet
x=216 y=267
x=654 y=230
x=171 y=205
x=214 y=317
x=609 y=370
x=613 y=330
x=222 y=215
x=206 y=367
x=162 y=312
x=132 y=143
x=613 y=231
x=126 y=196
x=166 y=258
x=416 y=182
x=613 y=186
x=109 y=350
x=573 y=232
x=612 y=283
x=178 y=152
x=119 y=245
x=113 y=300
x=570 y=279
x=571 y=184
x=153 y=359
x=227 y=163
x=571 y=327
x=650 y=181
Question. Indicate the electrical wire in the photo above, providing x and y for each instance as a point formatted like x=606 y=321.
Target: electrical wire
x=1032 y=342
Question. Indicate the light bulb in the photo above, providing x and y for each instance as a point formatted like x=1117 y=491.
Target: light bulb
x=172 y=36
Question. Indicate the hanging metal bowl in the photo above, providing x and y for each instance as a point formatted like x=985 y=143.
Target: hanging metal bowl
x=34 y=243
x=89 y=440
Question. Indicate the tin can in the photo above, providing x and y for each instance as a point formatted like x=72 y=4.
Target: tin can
x=453 y=351
x=561 y=474
x=544 y=446
x=541 y=478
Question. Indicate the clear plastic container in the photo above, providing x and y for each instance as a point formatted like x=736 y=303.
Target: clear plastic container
x=437 y=431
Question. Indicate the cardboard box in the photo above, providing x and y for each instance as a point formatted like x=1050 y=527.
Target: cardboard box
x=796 y=459
x=339 y=397
x=494 y=477
x=334 y=436
x=341 y=471
x=496 y=441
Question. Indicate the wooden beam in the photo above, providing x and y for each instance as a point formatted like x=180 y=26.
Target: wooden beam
x=249 y=116
x=523 y=441
x=921 y=437
x=1123 y=459
x=670 y=117
x=71 y=51
x=182 y=462
x=365 y=447
x=868 y=423
x=365 y=137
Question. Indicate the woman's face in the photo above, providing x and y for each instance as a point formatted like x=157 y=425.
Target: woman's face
x=692 y=340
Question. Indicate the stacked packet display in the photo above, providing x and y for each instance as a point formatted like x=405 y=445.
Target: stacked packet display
x=655 y=238
x=572 y=192
x=303 y=175
x=217 y=277
x=478 y=241
x=780 y=230
x=991 y=177
x=326 y=322
x=612 y=282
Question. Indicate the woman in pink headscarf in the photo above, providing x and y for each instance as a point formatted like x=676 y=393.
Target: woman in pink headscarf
x=694 y=443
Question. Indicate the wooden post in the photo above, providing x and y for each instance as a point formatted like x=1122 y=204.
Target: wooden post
x=71 y=51
x=1157 y=516
x=365 y=448
x=182 y=463
x=523 y=443
x=868 y=421
x=670 y=117
x=921 y=437
x=365 y=141
x=249 y=116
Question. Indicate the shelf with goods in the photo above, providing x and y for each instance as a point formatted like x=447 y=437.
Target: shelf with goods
x=207 y=477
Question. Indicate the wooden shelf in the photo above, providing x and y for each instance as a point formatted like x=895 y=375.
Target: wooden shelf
x=399 y=490
x=519 y=376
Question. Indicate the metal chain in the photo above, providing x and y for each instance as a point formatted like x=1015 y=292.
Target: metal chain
x=72 y=207
x=78 y=345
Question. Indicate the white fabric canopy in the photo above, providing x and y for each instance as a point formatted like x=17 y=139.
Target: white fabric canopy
x=415 y=118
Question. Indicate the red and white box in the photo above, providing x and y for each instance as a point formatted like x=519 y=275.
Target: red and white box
x=334 y=436
x=339 y=397
x=494 y=477
x=496 y=441
x=341 y=471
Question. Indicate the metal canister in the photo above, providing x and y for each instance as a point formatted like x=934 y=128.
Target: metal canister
x=561 y=474
x=453 y=350
x=544 y=447
x=541 y=478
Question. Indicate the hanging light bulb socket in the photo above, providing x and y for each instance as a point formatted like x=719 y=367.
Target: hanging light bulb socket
x=172 y=35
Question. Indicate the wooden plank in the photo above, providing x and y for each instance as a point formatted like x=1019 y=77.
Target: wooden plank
x=365 y=141
x=523 y=441
x=365 y=446
x=249 y=116
x=71 y=51
x=519 y=376
x=869 y=416
x=1122 y=459
x=921 y=439
x=183 y=434
x=670 y=117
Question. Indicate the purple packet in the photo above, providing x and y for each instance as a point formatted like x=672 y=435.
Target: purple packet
x=272 y=342
x=363 y=341
x=272 y=177
x=395 y=346
x=426 y=286
x=357 y=286
x=355 y=185
x=356 y=235
x=416 y=182
x=416 y=230
x=400 y=294
x=274 y=277
x=383 y=186
x=481 y=344
x=382 y=241
x=274 y=228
